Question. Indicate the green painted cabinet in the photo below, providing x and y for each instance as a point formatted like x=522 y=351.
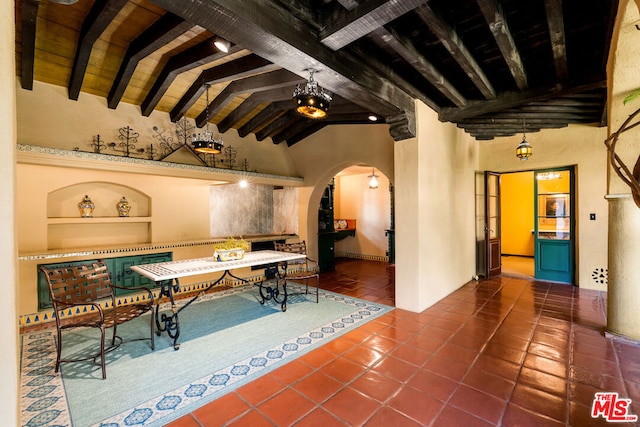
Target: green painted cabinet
x=121 y=274
x=326 y=232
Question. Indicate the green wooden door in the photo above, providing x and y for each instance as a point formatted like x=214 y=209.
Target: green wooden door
x=555 y=225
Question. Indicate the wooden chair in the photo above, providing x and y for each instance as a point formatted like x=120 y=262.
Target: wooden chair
x=303 y=269
x=83 y=288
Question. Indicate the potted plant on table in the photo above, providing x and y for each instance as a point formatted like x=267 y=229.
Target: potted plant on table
x=231 y=249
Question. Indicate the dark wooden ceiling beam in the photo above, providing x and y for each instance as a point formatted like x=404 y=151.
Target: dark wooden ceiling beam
x=265 y=28
x=265 y=116
x=160 y=33
x=196 y=56
x=569 y=102
x=456 y=47
x=240 y=68
x=303 y=128
x=363 y=19
x=349 y=4
x=252 y=102
x=309 y=130
x=512 y=100
x=257 y=83
x=287 y=119
x=408 y=51
x=102 y=13
x=555 y=21
x=292 y=129
x=569 y=117
x=29 y=10
x=510 y=128
x=494 y=16
x=515 y=121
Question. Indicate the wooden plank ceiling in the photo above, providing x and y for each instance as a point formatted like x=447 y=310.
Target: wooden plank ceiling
x=493 y=67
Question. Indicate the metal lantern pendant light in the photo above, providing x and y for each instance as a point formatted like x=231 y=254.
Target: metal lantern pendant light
x=312 y=102
x=524 y=149
x=373 y=179
x=205 y=142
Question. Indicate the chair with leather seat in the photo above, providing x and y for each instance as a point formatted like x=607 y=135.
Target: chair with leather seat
x=87 y=289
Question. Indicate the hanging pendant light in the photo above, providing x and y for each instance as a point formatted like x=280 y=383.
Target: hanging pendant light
x=312 y=102
x=373 y=180
x=524 y=149
x=205 y=142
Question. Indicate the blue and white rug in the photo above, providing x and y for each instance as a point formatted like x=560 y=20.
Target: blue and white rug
x=227 y=340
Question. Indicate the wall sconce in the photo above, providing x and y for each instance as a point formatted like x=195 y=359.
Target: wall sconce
x=373 y=180
x=524 y=149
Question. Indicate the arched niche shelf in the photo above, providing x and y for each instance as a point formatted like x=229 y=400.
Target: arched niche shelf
x=68 y=229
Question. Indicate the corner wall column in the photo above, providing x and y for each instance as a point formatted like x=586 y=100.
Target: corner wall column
x=9 y=334
x=434 y=181
x=623 y=313
x=623 y=317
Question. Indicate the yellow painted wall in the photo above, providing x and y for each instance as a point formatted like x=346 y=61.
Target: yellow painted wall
x=517 y=208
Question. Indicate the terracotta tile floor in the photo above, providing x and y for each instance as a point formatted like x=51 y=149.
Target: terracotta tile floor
x=507 y=351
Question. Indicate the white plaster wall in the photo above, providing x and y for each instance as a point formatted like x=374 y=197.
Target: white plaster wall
x=9 y=356
x=435 y=212
x=582 y=146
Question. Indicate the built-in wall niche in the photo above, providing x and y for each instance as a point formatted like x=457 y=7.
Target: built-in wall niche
x=68 y=229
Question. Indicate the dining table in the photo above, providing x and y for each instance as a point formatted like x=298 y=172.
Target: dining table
x=167 y=277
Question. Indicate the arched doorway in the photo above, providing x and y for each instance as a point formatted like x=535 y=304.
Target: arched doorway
x=355 y=218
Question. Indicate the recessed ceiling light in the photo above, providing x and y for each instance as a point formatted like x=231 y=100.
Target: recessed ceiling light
x=373 y=118
x=222 y=44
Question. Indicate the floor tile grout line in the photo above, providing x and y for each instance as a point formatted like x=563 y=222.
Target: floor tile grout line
x=479 y=352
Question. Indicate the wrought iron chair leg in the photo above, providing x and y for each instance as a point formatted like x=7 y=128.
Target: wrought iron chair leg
x=113 y=338
x=58 y=350
x=102 y=362
x=152 y=321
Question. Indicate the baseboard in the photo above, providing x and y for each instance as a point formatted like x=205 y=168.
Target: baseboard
x=366 y=257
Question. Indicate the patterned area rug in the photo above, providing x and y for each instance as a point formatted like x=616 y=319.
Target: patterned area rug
x=228 y=339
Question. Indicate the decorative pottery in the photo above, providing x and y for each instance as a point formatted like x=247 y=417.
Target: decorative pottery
x=228 y=255
x=123 y=207
x=86 y=207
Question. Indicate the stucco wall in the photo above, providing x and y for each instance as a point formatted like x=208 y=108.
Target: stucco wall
x=9 y=357
x=325 y=153
x=435 y=212
x=582 y=146
x=47 y=118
